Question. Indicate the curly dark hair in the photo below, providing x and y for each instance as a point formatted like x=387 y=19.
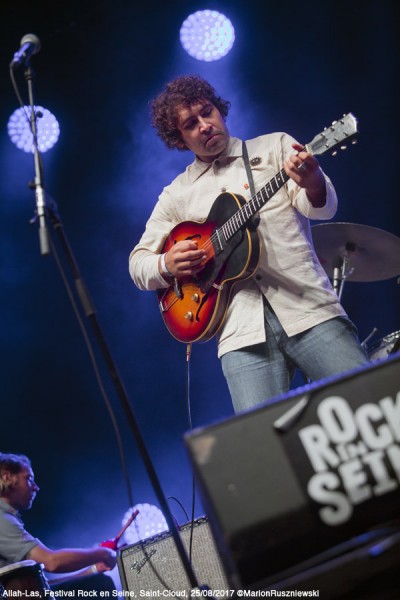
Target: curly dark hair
x=184 y=91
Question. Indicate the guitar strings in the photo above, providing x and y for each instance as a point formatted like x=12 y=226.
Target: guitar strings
x=281 y=178
x=236 y=221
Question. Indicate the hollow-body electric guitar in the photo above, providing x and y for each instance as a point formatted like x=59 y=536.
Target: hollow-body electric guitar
x=193 y=309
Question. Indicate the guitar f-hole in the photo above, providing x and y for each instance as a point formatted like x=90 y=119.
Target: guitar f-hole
x=191 y=237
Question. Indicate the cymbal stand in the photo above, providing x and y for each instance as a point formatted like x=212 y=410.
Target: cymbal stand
x=346 y=271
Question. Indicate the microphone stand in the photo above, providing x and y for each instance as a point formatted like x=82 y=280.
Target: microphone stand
x=92 y=317
x=38 y=182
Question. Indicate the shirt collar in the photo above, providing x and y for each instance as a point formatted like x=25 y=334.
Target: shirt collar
x=199 y=167
x=8 y=508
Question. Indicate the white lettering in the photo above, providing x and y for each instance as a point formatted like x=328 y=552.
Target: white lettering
x=355 y=455
x=320 y=489
x=354 y=481
x=316 y=444
x=375 y=461
x=375 y=438
x=352 y=450
x=391 y=410
x=393 y=453
x=337 y=419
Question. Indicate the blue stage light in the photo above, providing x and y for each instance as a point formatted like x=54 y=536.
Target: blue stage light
x=20 y=133
x=207 y=35
x=150 y=521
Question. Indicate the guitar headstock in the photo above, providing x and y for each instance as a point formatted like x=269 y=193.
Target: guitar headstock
x=334 y=137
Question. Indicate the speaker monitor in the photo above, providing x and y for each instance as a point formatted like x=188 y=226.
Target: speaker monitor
x=155 y=565
x=287 y=483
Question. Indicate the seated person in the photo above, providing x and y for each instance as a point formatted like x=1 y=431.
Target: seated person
x=17 y=493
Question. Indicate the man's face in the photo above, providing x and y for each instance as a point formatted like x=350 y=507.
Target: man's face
x=22 y=489
x=203 y=130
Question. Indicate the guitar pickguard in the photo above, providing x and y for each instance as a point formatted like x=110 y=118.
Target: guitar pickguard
x=216 y=267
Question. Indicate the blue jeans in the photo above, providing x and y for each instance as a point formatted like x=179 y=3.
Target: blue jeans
x=257 y=373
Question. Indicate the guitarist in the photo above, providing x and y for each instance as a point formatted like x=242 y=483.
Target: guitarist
x=286 y=315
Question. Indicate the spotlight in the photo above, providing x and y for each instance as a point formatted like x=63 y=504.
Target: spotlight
x=20 y=133
x=207 y=35
x=149 y=522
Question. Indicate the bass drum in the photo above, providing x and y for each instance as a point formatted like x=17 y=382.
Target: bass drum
x=23 y=579
x=385 y=346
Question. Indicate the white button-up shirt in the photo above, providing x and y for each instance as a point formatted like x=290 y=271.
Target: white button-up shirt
x=289 y=273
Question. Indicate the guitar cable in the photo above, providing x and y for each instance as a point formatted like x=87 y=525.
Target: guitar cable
x=190 y=425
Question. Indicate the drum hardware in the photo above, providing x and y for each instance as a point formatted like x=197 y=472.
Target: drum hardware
x=385 y=346
x=364 y=344
x=365 y=253
x=342 y=270
x=23 y=579
x=351 y=252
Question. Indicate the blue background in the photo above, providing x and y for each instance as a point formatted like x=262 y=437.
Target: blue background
x=295 y=67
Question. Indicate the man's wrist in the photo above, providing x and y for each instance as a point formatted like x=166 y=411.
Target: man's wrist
x=317 y=196
x=164 y=267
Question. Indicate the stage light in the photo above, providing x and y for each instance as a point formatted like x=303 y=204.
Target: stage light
x=149 y=522
x=207 y=35
x=20 y=133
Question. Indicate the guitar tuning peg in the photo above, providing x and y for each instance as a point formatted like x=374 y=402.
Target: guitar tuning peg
x=354 y=142
x=334 y=122
x=343 y=147
x=334 y=153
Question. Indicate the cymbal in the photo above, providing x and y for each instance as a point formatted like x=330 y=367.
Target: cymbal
x=373 y=254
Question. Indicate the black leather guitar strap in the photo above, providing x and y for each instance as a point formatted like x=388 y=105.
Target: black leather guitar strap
x=248 y=169
x=255 y=219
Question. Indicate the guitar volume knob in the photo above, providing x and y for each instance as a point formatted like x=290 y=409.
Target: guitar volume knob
x=196 y=297
x=189 y=315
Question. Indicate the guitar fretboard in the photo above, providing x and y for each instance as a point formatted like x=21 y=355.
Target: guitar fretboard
x=342 y=130
x=248 y=210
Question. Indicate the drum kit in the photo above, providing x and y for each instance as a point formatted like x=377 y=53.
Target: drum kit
x=23 y=579
x=351 y=252
x=26 y=578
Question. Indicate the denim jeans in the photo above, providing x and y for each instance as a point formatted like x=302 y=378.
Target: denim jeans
x=257 y=373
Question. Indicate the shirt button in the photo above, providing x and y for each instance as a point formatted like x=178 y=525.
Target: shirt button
x=223 y=189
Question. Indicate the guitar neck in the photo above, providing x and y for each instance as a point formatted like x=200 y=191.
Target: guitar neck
x=244 y=214
x=329 y=140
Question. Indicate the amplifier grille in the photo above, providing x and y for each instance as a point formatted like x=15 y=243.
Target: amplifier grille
x=140 y=564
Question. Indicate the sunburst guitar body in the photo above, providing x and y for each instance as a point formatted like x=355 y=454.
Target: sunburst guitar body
x=193 y=308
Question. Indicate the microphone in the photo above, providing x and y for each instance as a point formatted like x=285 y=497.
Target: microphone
x=337 y=273
x=30 y=44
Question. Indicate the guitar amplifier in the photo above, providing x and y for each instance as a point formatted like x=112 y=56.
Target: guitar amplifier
x=301 y=478
x=154 y=565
